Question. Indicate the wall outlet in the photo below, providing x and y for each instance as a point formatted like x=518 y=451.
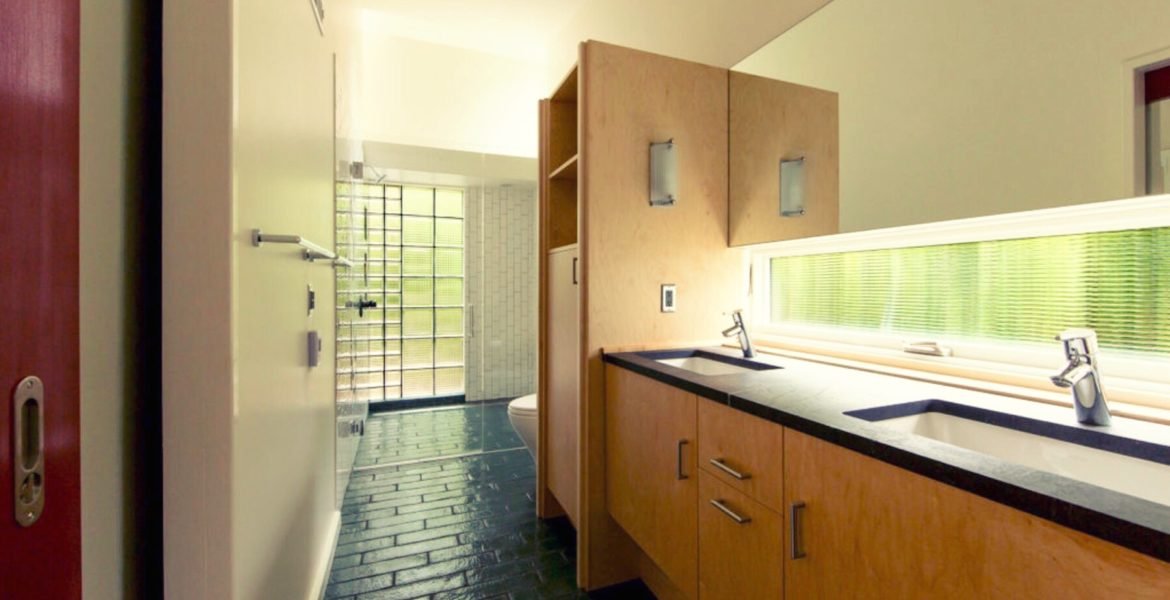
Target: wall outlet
x=669 y=296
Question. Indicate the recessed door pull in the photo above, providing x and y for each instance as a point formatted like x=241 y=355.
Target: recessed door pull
x=28 y=450
x=722 y=466
x=738 y=518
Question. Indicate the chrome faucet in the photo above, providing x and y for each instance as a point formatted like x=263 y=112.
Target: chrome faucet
x=740 y=330
x=1081 y=374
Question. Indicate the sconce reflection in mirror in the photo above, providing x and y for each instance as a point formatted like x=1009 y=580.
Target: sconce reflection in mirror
x=663 y=173
x=792 y=187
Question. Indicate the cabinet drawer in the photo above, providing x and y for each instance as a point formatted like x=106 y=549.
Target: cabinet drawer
x=742 y=451
x=741 y=545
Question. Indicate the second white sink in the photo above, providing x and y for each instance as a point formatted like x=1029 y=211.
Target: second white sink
x=1127 y=474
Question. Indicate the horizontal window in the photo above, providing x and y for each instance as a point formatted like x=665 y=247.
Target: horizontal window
x=995 y=289
x=1117 y=283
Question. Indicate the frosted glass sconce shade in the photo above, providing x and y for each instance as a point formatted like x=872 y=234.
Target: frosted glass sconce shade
x=663 y=173
x=792 y=187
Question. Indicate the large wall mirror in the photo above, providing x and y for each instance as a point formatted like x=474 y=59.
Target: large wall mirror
x=961 y=108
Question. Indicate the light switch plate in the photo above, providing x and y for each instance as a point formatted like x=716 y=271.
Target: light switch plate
x=669 y=297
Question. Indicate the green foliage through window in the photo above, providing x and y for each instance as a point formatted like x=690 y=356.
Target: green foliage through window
x=1117 y=283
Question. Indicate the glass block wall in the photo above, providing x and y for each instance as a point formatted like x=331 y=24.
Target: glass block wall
x=400 y=307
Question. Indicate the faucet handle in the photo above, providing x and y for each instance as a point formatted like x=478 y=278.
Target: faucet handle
x=1079 y=340
x=1076 y=333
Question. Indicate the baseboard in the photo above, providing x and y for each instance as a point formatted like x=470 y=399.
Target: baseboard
x=325 y=564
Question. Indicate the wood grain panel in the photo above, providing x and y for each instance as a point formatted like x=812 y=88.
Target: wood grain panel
x=738 y=560
x=871 y=526
x=652 y=483
x=562 y=207
x=748 y=444
x=629 y=99
x=563 y=143
x=546 y=504
x=564 y=380
x=772 y=120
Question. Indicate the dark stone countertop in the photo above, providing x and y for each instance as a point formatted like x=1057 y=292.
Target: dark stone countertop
x=812 y=398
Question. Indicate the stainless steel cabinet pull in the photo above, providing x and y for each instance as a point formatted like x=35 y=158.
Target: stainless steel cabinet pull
x=722 y=466
x=796 y=522
x=679 y=472
x=731 y=513
x=28 y=450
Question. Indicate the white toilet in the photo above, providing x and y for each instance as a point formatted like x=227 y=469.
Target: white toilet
x=522 y=414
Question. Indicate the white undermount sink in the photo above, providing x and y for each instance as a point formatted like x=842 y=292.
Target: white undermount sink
x=1123 y=467
x=704 y=366
x=706 y=363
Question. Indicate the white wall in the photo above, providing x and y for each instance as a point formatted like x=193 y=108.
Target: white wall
x=422 y=94
x=199 y=247
x=283 y=504
x=248 y=427
x=712 y=33
x=501 y=271
x=110 y=180
x=954 y=108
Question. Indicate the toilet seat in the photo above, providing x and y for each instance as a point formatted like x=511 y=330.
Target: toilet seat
x=523 y=406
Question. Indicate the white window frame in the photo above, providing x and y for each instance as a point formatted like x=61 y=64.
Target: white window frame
x=1139 y=371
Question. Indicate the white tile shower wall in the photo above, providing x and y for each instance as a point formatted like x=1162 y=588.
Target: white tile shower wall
x=501 y=277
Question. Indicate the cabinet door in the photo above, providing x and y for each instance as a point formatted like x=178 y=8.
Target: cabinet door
x=651 y=479
x=740 y=545
x=564 y=367
x=870 y=529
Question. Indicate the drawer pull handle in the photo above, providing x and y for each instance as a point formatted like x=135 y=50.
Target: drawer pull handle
x=796 y=522
x=679 y=469
x=742 y=520
x=722 y=466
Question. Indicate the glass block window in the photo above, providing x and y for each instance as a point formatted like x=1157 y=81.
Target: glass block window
x=406 y=243
x=1116 y=282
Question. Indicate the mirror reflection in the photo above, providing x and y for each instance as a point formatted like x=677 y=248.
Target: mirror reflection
x=951 y=109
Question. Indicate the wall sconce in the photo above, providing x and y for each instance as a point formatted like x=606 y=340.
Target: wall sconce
x=792 y=187
x=663 y=173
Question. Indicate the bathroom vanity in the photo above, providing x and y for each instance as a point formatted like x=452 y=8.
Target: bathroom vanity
x=607 y=253
x=757 y=484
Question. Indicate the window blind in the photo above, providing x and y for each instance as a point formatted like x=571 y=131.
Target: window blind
x=1117 y=283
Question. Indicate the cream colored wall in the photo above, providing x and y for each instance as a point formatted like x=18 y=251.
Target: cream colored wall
x=198 y=255
x=713 y=33
x=953 y=108
x=283 y=505
x=107 y=187
x=421 y=94
x=248 y=427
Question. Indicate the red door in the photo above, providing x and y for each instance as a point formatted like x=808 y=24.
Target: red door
x=40 y=544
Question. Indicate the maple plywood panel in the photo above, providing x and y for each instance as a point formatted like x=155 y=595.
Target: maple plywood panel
x=627 y=100
x=650 y=471
x=871 y=526
x=772 y=120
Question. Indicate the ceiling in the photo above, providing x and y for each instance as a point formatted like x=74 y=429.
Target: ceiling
x=514 y=28
x=714 y=32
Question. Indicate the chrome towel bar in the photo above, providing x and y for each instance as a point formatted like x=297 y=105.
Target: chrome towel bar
x=313 y=252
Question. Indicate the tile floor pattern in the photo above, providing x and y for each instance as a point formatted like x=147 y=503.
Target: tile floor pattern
x=394 y=437
x=454 y=528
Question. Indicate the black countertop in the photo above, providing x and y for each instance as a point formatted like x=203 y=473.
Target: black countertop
x=812 y=398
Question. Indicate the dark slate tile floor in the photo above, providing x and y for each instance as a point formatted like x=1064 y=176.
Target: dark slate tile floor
x=458 y=528
x=394 y=437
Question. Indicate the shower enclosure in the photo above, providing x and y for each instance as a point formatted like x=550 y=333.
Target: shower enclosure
x=436 y=321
